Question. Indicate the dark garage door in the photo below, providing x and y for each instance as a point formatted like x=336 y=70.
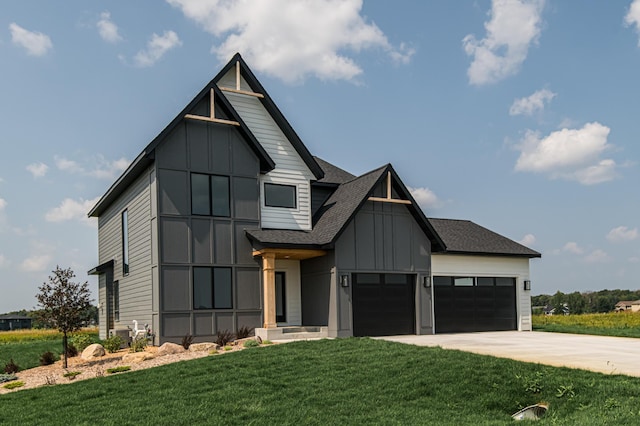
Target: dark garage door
x=464 y=304
x=383 y=304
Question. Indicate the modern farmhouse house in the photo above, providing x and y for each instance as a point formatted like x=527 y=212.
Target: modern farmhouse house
x=226 y=220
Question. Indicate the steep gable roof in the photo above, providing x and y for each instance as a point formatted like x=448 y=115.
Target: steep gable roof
x=146 y=157
x=466 y=237
x=333 y=175
x=338 y=211
x=274 y=111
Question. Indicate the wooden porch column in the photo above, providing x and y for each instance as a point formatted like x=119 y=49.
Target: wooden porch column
x=269 y=284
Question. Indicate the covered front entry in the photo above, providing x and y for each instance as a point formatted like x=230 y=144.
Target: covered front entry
x=383 y=304
x=465 y=304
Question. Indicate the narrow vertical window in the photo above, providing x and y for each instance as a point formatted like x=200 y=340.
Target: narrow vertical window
x=125 y=242
x=116 y=301
x=222 y=293
x=200 y=203
x=220 y=196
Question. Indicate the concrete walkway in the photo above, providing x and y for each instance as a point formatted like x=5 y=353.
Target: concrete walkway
x=610 y=355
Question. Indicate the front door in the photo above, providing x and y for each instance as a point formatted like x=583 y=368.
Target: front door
x=281 y=301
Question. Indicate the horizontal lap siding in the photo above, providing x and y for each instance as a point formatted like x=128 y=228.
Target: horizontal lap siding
x=135 y=288
x=290 y=169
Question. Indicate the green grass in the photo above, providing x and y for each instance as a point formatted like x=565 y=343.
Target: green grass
x=26 y=353
x=344 y=381
x=622 y=324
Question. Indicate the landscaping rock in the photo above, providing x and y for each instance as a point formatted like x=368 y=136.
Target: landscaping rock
x=95 y=350
x=170 y=348
x=203 y=347
x=136 y=357
x=240 y=342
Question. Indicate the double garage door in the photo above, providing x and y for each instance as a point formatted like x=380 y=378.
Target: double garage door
x=465 y=304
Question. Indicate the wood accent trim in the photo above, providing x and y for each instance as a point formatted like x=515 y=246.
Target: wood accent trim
x=293 y=254
x=237 y=75
x=388 y=198
x=269 y=287
x=212 y=113
x=242 y=92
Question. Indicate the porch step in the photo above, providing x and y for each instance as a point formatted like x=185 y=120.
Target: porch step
x=292 y=333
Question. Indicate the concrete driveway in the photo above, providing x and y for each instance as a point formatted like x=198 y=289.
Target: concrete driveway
x=610 y=355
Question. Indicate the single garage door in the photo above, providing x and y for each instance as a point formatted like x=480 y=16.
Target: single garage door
x=464 y=304
x=383 y=304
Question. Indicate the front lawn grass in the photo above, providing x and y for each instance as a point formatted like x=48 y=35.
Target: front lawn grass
x=620 y=324
x=343 y=381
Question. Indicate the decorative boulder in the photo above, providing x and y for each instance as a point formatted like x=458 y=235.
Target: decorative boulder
x=136 y=357
x=203 y=347
x=170 y=348
x=95 y=350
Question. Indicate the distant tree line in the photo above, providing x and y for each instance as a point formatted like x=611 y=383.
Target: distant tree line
x=585 y=303
x=38 y=320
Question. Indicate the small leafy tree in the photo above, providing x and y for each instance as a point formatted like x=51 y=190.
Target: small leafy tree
x=65 y=304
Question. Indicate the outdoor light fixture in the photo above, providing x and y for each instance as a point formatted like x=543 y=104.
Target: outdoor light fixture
x=426 y=281
x=527 y=284
x=344 y=280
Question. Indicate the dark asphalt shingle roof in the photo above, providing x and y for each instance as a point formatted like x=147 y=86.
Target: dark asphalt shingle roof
x=333 y=174
x=466 y=237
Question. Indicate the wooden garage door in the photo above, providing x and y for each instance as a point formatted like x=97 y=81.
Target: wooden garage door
x=383 y=304
x=464 y=304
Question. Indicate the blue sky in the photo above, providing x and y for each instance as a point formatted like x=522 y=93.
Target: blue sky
x=521 y=116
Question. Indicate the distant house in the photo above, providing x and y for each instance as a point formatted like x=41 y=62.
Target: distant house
x=628 y=305
x=14 y=322
x=226 y=220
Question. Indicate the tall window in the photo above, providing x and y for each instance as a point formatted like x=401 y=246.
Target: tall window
x=116 y=301
x=210 y=195
x=125 y=242
x=212 y=288
x=279 y=195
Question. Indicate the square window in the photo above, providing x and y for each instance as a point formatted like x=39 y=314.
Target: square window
x=279 y=195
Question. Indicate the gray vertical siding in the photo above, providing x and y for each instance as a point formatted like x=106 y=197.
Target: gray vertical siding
x=135 y=289
x=315 y=288
x=186 y=241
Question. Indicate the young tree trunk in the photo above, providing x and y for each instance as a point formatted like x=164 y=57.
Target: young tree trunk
x=64 y=347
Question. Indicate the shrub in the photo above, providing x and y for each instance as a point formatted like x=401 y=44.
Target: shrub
x=244 y=332
x=251 y=344
x=71 y=374
x=13 y=385
x=81 y=341
x=228 y=348
x=7 y=377
x=113 y=343
x=118 y=369
x=47 y=358
x=71 y=351
x=223 y=337
x=11 y=367
x=138 y=345
x=267 y=342
x=187 y=340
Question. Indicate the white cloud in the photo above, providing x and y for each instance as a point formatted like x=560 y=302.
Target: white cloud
x=37 y=169
x=156 y=48
x=528 y=240
x=425 y=197
x=572 y=154
x=513 y=26
x=107 y=29
x=102 y=168
x=622 y=234
x=531 y=104
x=35 y=43
x=291 y=39
x=597 y=256
x=4 y=262
x=36 y=263
x=634 y=259
x=572 y=247
x=70 y=209
x=3 y=204
x=633 y=17
x=3 y=216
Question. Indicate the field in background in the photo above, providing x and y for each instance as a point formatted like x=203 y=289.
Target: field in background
x=621 y=324
x=25 y=347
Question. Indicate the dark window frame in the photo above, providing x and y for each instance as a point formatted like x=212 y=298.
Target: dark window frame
x=280 y=186
x=212 y=207
x=213 y=303
x=125 y=241
x=116 y=300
